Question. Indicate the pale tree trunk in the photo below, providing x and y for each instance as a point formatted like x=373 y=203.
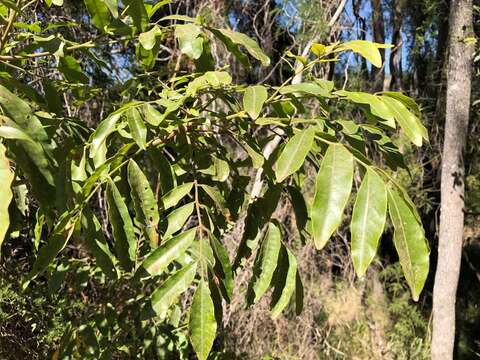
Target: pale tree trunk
x=459 y=73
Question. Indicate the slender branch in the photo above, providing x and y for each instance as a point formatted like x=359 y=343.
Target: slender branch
x=11 y=19
x=86 y=45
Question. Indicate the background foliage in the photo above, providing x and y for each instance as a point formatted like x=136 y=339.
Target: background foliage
x=154 y=146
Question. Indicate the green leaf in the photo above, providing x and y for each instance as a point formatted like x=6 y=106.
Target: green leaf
x=410 y=243
x=294 y=153
x=166 y=295
x=410 y=124
x=306 y=88
x=162 y=256
x=8 y=132
x=249 y=44
x=152 y=115
x=223 y=268
x=217 y=197
x=368 y=220
x=98 y=140
x=222 y=170
x=232 y=47
x=6 y=195
x=299 y=207
x=285 y=283
x=122 y=227
x=332 y=189
x=177 y=219
x=377 y=106
x=112 y=6
x=146 y=206
x=72 y=70
x=137 y=11
x=97 y=244
x=268 y=258
x=367 y=49
x=202 y=324
x=137 y=127
x=172 y=198
x=22 y=115
x=189 y=40
x=10 y=4
x=255 y=155
x=56 y=243
x=148 y=39
x=253 y=100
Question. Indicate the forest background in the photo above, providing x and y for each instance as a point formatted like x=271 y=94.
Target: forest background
x=343 y=316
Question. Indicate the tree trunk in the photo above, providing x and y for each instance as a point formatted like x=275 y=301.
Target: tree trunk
x=396 y=55
x=460 y=55
x=379 y=37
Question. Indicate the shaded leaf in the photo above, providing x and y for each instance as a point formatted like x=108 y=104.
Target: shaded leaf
x=122 y=227
x=222 y=269
x=99 y=13
x=146 y=206
x=249 y=44
x=267 y=261
x=410 y=243
x=285 y=283
x=97 y=244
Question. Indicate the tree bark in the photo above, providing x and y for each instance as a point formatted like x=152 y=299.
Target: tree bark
x=460 y=55
x=396 y=55
x=378 y=75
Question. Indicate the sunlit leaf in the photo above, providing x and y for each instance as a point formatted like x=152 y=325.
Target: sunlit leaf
x=202 y=324
x=167 y=293
x=368 y=220
x=369 y=50
x=189 y=40
x=332 y=190
x=163 y=255
x=172 y=198
x=177 y=219
x=294 y=153
x=6 y=179
x=409 y=123
x=253 y=100
x=137 y=127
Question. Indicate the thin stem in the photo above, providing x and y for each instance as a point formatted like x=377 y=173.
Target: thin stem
x=11 y=19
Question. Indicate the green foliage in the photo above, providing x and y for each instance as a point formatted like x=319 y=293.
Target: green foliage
x=165 y=224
